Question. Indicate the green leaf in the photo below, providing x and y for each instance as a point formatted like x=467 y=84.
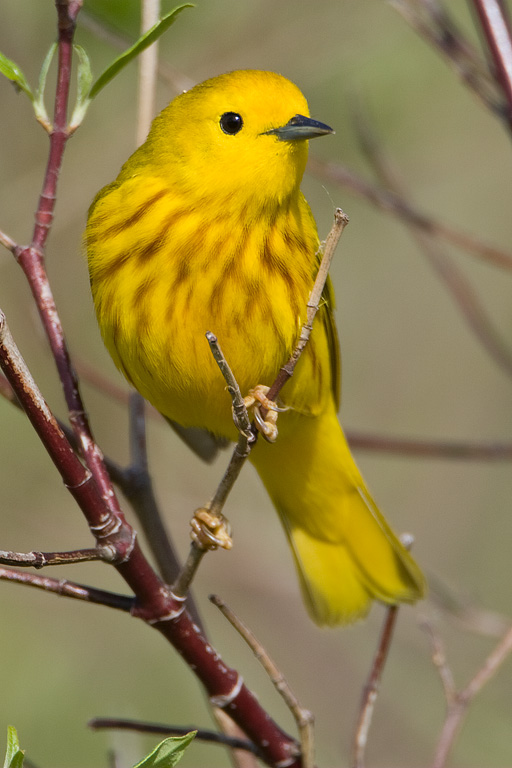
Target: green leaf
x=14 y=755
x=84 y=80
x=14 y=73
x=143 y=42
x=167 y=753
x=39 y=107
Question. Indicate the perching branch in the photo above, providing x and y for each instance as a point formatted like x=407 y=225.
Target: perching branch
x=286 y=372
x=209 y=526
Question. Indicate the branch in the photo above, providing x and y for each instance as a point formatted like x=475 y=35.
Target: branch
x=459 y=704
x=388 y=201
x=432 y=22
x=496 y=28
x=462 y=292
x=138 y=726
x=42 y=559
x=303 y=717
x=418 y=448
x=371 y=688
x=154 y=602
x=66 y=588
x=209 y=526
x=286 y=372
x=31 y=258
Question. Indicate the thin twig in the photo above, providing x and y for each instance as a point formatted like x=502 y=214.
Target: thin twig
x=42 y=559
x=303 y=717
x=101 y=29
x=386 y=200
x=463 y=699
x=371 y=688
x=31 y=258
x=432 y=22
x=138 y=726
x=465 y=298
x=440 y=661
x=148 y=67
x=66 y=588
x=246 y=434
x=340 y=222
x=496 y=28
x=443 y=449
x=7 y=242
x=466 y=613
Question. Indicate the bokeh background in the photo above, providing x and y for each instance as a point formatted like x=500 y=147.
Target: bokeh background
x=411 y=368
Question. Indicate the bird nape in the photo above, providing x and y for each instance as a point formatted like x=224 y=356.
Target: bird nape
x=206 y=229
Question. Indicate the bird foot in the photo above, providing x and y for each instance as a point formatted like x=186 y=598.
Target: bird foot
x=256 y=398
x=210 y=531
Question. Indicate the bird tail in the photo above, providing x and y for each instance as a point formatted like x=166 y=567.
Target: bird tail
x=345 y=552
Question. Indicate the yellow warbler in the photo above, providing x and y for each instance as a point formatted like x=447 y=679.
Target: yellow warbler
x=206 y=229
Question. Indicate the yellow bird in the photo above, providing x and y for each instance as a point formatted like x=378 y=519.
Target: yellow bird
x=206 y=229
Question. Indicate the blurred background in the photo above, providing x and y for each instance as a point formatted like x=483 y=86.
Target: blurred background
x=412 y=368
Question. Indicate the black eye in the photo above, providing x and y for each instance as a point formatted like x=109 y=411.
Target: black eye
x=231 y=123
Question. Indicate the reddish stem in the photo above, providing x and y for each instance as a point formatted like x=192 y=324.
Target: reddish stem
x=496 y=28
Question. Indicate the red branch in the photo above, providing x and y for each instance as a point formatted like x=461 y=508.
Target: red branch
x=91 y=486
x=496 y=28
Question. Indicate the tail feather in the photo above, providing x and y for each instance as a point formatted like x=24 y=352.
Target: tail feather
x=345 y=552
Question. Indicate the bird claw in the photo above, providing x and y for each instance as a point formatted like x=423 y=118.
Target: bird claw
x=256 y=398
x=210 y=531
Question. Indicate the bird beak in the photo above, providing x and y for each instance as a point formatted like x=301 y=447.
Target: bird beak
x=299 y=127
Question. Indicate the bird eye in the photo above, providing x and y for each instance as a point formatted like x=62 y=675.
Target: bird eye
x=231 y=123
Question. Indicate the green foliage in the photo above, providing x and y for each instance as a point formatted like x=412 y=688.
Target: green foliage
x=167 y=753
x=14 y=755
x=11 y=70
x=39 y=107
x=86 y=95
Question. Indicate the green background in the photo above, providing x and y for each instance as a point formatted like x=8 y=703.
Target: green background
x=411 y=368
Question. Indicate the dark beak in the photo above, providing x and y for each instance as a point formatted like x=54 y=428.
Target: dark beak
x=300 y=127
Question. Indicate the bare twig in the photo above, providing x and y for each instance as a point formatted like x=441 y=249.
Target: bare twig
x=440 y=662
x=303 y=717
x=100 y=28
x=386 y=200
x=42 y=559
x=31 y=258
x=496 y=28
x=66 y=588
x=458 y=285
x=444 y=449
x=371 y=688
x=246 y=434
x=340 y=222
x=154 y=602
x=458 y=707
x=7 y=242
x=432 y=22
x=138 y=726
x=468 y=614
x=148 y=67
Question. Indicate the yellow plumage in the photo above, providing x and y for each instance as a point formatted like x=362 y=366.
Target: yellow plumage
x=205 y=229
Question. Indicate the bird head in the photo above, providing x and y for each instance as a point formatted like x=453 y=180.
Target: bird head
x=242 y=136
